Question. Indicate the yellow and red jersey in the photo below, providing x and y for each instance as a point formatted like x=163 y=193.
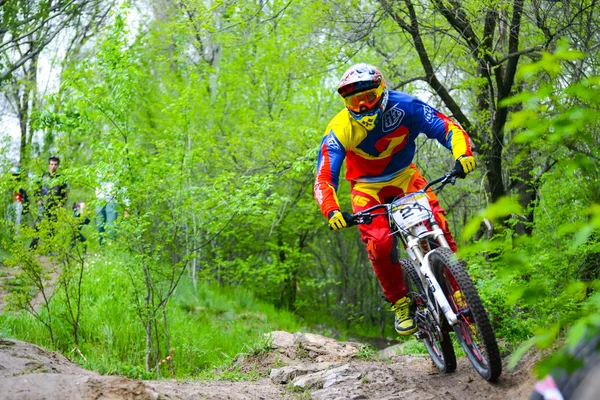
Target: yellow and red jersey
x=378 y=155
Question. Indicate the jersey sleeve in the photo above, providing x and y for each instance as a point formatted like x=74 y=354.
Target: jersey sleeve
x=437 y=126
x=329 y=165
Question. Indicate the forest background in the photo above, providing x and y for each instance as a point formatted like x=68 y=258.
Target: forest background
x=208 y=116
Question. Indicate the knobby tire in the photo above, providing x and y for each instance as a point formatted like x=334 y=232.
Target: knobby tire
x=446 y=359
x=487 y=362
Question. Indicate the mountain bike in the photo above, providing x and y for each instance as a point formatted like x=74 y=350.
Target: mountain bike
x=443 y=296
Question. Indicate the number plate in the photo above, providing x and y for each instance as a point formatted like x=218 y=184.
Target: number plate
x=411 y=210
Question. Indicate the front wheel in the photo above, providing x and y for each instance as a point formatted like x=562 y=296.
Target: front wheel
x=473 y=330
x=435 y=338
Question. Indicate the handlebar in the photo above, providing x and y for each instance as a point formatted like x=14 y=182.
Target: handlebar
x=366 y=216
x=450 y=177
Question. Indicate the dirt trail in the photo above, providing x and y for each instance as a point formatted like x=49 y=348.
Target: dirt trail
x=8 y=275
x=299 y=366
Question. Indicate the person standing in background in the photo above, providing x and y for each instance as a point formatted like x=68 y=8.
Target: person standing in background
x=80 y=220
x=106 y=209
x=20 y=203
x=52 y=196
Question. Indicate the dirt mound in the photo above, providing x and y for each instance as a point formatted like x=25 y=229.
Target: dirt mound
x=30 y=372
x=299 y=366
x=332 y=370
x=21 y=358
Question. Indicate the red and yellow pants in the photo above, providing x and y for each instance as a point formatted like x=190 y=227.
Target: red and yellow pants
x=378 y=236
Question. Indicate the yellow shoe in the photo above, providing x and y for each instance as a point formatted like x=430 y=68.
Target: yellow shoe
x=459 y=299
x=404 y=323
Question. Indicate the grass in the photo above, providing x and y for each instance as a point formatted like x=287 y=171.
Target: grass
x=208 y=327
x=366 y=352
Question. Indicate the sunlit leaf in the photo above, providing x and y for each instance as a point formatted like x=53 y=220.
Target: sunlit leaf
x=520 y=352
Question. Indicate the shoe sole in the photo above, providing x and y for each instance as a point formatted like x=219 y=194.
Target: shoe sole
x=406 y=333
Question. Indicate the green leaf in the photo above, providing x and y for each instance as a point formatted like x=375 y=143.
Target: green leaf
x=471 y=227
x=576 y=333
x=521 y=97
x=526 y=136
x=514 y=294
x=520 y=352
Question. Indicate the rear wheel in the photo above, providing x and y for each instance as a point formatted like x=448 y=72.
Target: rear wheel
x=473 y=330
x=435 y=338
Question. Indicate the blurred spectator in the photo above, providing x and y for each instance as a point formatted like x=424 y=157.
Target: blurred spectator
x=80 y=220
x=106 y=209
x=577 y=377
x=52 y=196
x=20 y=202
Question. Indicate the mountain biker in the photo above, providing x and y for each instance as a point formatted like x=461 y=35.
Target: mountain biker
x=376 y=134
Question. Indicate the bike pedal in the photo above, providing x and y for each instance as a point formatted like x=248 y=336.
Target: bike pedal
x=420 y=335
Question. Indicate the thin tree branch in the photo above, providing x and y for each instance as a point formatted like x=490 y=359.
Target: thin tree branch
x=30 y=54
x=539 y=47
x=513 y=48
x=458 y=20
x=431 y=78
x=406 y=82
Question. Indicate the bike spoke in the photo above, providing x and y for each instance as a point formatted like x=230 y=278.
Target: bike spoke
x=436 y=340
x=473 y=329
x=467 y=325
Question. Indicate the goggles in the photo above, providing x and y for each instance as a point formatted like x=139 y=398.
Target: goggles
x=363 y=102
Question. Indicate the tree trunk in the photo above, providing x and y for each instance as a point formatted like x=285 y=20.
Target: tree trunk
x=527 y=198
x=148 y=321
x=493 y=162
x=288 y=293
x=168 y=339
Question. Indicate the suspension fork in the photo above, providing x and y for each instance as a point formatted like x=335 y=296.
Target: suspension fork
x=429 y=281
x=438 y=234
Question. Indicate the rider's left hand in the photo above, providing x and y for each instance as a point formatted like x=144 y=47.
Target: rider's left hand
x=337 y=220
x=464 y=165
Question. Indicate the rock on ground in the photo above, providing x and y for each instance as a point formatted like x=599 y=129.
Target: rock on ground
x=315 y=347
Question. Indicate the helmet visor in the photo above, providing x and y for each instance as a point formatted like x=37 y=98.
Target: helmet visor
x=364 y=101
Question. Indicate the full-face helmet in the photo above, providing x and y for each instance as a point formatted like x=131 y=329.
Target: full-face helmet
x=365 y=95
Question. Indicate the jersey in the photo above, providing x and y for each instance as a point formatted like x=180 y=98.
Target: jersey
x=382 y=153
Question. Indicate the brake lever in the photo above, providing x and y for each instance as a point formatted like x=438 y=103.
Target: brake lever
x=450 y=178
x=366 y=219
x=360 y=219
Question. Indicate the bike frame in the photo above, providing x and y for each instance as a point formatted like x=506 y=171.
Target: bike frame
x=413 y=237
x=412 y=221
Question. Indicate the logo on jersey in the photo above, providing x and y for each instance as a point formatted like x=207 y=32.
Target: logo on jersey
x=332 y=143
x=428 y=113
x=360 y=201
x=318 y=193
x=392 y=119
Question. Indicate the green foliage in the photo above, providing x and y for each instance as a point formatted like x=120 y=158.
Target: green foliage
x=366 y=352
x=550 y=278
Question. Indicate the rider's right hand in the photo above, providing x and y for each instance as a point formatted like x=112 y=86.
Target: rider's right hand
x=464 y=165
x=336 y=220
